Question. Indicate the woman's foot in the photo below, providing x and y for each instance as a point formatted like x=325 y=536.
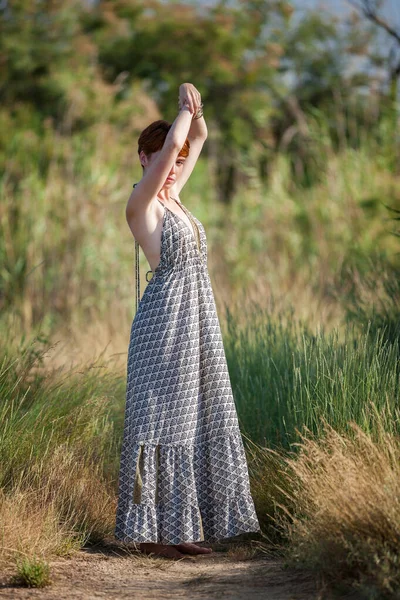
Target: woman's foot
x=161 y=550
x=193 y=548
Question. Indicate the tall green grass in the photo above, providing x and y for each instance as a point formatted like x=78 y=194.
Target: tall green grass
x=285 y=376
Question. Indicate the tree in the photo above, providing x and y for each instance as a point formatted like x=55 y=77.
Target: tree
x=230 y=53
x=371 y=10
x=36 y=42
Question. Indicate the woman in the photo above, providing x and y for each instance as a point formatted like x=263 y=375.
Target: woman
x=183 y=471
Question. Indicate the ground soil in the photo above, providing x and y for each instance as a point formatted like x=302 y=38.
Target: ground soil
x=115 y=572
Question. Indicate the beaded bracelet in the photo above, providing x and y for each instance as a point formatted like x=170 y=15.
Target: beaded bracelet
x=199 y=112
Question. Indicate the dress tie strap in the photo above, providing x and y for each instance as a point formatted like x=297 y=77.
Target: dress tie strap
x=137 y=271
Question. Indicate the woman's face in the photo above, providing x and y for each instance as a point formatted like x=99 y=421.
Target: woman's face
x=175 y=170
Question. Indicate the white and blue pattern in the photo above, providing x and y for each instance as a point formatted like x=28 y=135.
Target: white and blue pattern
x=183 y=472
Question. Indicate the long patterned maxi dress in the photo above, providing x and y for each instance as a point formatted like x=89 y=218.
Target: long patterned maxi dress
x=183 y=472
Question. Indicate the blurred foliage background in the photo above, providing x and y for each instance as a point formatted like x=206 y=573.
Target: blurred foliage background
x=296 y=185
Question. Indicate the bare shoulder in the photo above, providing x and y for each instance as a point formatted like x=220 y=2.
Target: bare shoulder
x=142 y=223
x=135 y=208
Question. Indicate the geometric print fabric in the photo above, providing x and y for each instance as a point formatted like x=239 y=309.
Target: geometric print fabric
x=183 y=474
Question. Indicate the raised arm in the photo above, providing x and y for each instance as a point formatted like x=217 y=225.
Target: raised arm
x=156 y=174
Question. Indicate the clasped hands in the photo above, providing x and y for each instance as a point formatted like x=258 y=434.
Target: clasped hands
x=189 y=95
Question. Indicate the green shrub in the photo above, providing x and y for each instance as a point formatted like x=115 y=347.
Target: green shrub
x=32 y=572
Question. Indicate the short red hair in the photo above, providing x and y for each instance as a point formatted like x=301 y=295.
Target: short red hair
x=153 y=137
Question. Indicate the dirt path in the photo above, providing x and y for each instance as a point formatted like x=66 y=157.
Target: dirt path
x=111 y=572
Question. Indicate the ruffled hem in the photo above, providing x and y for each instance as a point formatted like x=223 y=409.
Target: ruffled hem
x=237 y=515
x=176 y=524
x=162 y=524
x=184 y=493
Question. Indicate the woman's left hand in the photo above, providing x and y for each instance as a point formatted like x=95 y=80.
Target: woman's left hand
x=189 y=95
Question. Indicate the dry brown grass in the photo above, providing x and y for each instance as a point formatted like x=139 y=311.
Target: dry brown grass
x=30 y=527
x=242 y=552
x=62 y=503
x=345 y=516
